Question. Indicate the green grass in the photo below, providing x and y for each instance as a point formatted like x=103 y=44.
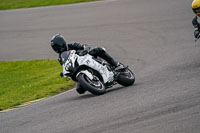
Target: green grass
x=23 y=81
x=15 y=4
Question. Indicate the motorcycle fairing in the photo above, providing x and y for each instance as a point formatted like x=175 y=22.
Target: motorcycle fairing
x=86 y=60
x=102 y=69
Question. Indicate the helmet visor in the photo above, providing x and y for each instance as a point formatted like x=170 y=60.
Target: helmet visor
x=197 y=10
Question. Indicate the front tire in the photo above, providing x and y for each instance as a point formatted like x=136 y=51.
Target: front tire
x=94 y=86
x=126 y=77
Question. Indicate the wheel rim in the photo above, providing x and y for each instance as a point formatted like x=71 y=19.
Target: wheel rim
x=95 y=82
x=127 y=73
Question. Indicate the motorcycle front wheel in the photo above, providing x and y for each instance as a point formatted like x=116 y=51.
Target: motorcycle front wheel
x=95 y=86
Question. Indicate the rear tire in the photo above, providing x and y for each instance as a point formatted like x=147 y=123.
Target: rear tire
x=94 y=86
x=126 y=78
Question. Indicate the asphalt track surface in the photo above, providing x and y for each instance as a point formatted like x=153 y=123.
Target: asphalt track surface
x=154 y=37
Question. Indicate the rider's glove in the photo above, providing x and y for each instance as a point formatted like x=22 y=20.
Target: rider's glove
x=86 y=47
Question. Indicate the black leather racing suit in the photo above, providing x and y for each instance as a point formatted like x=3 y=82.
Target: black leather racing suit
x=196 y=26
x=98 y=51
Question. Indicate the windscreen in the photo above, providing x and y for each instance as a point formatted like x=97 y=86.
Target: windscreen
x=65 y=56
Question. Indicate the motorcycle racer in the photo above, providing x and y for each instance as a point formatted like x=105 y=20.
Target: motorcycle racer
x=195 y=21
x=59 y=45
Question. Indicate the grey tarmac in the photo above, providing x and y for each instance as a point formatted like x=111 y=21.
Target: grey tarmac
x=154 y=37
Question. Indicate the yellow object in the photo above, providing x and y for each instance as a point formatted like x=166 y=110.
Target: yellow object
x=196 y=7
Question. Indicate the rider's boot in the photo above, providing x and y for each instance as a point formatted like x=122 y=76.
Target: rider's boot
x=103 y=54
x=119 y=67
x=80 y=89
x=116 y=65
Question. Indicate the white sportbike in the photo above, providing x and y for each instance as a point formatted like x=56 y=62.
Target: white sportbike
x=94 y=74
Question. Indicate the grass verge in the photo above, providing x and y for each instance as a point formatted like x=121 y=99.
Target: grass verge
x=23 y=81
x=15 y=4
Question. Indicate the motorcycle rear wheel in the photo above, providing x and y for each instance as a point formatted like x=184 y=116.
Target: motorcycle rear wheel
x=126 y=77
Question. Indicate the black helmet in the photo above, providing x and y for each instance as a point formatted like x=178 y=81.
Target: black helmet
x=58 y=43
